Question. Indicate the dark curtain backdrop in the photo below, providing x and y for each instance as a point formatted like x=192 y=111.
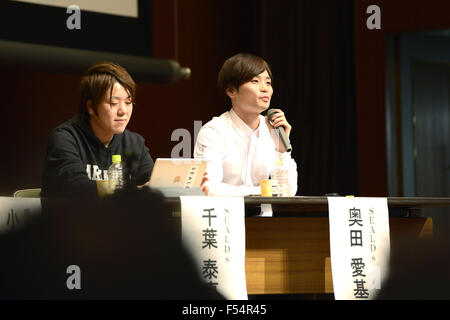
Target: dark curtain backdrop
x=310 y=47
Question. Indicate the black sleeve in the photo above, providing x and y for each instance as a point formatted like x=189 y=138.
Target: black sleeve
x=145 y=166
x=64 y=173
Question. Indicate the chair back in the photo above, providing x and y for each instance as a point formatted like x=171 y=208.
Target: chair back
x=28 y=193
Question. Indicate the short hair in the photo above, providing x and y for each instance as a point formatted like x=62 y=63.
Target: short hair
x=99 y=78
x=239 y=69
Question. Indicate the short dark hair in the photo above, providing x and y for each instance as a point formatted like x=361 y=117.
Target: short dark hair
x=239 y=69
x=99 y=78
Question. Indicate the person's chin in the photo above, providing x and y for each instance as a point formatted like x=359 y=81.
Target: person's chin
x=264 y=107
x=119 y=130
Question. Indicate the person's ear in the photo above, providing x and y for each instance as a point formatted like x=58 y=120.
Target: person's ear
x=231 y=92
x=89 y=108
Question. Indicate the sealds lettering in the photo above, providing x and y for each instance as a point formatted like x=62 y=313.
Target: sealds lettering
x=373 y=246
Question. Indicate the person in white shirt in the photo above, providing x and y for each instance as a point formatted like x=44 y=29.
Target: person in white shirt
x=241 y=147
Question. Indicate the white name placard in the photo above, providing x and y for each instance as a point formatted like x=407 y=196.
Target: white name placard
x=15 y=212
x=213 y=231
x=359 y=246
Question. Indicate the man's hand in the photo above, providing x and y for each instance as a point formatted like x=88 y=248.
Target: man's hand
x=203 y=185
x=144 y=185
x=279 y=119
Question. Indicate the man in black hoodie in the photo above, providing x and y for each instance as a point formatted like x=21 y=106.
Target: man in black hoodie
x=79 y=151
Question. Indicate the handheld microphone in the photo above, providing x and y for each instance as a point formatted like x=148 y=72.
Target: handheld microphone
x=280 y=131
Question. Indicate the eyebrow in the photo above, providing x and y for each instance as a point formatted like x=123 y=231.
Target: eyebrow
x=115 y=97
x=259 y=77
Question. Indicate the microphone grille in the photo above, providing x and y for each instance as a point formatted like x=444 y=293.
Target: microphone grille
x=270 y=113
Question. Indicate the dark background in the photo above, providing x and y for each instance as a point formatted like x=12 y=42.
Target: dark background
x=329 y=78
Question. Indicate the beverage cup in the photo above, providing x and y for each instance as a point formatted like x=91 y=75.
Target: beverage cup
x=266 y=188
x=105 y=188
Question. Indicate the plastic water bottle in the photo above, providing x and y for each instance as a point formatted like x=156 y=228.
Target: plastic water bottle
x=280 y=178
x=117 y=172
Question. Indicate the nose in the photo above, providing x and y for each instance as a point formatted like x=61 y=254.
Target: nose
x=265 y=87
x=122 y=108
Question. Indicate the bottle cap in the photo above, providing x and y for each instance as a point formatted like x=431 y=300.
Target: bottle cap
x=116 y=158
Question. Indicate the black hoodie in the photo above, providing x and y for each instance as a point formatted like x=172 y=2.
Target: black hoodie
x=76 y=158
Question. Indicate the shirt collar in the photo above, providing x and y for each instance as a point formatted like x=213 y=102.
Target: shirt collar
x=241 y=126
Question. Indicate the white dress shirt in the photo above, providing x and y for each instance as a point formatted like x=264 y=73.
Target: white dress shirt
x=238 y=156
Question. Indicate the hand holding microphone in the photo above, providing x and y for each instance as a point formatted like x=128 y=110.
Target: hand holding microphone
x=278 y=121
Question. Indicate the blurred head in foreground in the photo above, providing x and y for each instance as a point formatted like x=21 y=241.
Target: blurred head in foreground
x=125 y=247
x=419 y=270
